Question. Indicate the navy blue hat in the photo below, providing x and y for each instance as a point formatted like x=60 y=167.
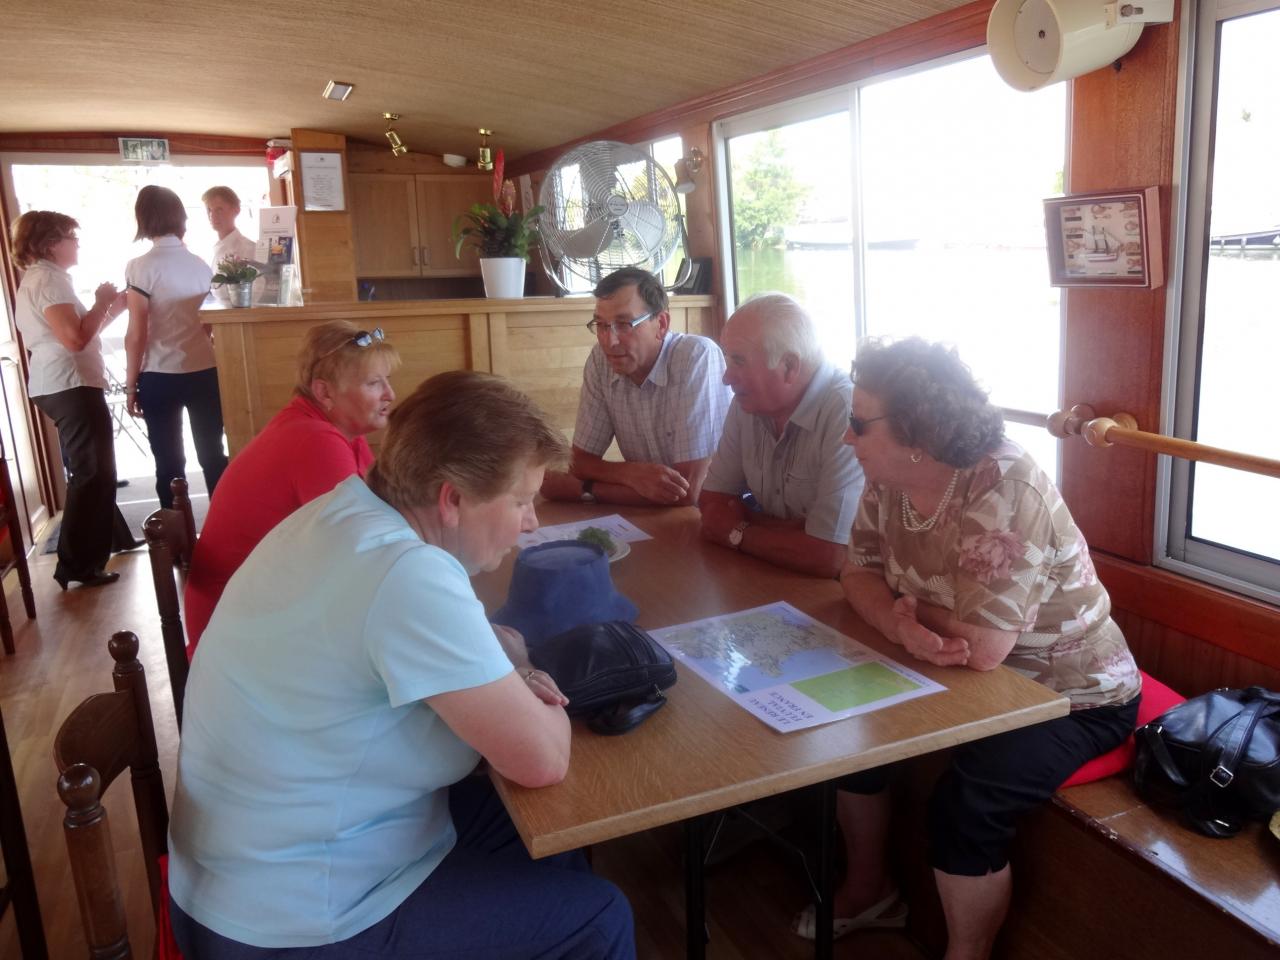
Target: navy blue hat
x=560 y=585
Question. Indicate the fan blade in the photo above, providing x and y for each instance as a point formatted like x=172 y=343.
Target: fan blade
x=587 y=242
x=645 y=220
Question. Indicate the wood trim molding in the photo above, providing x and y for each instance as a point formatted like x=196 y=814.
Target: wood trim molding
x=180 y=144
x=1246 y=627
x=951 y=32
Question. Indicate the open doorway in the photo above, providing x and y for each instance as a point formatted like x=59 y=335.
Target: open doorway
x=99 y=191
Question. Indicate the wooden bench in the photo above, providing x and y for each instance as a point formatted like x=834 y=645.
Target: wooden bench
x=1099 y=874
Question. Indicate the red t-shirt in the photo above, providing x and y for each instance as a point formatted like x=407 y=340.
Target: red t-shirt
x=297 y=457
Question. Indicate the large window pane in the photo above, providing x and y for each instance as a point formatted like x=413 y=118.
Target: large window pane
x=789 y=192
x=954 y=166
x=1240 y=336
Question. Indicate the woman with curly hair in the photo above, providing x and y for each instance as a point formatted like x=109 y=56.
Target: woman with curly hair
x=964 y=553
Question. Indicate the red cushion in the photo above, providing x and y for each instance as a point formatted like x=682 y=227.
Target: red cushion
x=1156 y=699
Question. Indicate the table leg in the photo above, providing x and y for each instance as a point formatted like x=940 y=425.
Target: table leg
x=695 y=913
x=822 y=941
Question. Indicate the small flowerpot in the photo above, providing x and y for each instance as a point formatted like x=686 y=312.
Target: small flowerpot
x=242 y=294
x=503 y=277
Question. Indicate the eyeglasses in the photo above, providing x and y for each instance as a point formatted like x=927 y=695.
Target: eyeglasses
x=859 y=426
x=600 y=327
x=364 y=338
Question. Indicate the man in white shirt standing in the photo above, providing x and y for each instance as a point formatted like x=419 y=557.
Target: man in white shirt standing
x=658 y=391
x=223 y=206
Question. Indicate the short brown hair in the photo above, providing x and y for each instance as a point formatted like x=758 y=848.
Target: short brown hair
x=225 y=194
x=329 y=352
x=160 y=213
x=647 y=285
x=36 y=232
x=474 y=430
x=931 y=399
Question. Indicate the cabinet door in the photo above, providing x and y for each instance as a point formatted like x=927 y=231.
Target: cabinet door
x=384 y=219
x=441 y=198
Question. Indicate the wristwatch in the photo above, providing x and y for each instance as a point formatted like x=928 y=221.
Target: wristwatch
x=737 y=533
x=587 y=496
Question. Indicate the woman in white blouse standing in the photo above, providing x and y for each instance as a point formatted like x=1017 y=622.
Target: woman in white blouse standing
x=170 y=354
x=67 y=381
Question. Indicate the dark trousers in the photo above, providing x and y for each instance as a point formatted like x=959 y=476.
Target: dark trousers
x=487 y=900
x=84 y=430
x=163 y=397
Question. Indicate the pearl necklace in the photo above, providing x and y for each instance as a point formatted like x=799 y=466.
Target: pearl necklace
x=911 y=521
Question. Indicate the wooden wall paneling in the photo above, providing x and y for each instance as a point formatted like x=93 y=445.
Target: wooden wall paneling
x=478 y=353
x=1122 y=127
x=701 y=220
x=326 y=248
x=499 y=360
x=233 y=354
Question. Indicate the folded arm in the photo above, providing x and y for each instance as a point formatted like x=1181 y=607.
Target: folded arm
x=633 y=483
x=783 y=542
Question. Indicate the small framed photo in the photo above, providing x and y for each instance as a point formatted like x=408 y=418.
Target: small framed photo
x=1105 y=239
x=144 y=149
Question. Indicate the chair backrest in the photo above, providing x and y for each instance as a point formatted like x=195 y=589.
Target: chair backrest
x=171 y=537
x=103 y=736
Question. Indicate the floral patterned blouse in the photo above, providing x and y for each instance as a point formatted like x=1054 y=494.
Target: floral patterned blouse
x=1005 y=554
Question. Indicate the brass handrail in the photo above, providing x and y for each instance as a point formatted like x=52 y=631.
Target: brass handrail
x=1122 y=428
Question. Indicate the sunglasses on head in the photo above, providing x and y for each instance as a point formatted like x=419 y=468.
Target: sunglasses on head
x=859 y=426
x=363 y=338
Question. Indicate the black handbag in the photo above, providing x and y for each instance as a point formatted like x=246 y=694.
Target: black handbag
x=613 y=673
x=1216 y=757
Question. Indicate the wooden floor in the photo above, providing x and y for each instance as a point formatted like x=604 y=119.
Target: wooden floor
x=62 y=658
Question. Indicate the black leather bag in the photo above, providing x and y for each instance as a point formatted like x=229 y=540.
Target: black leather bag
x=613 y=673
x=1216 y=757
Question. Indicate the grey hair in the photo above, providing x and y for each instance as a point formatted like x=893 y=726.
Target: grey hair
x=787 y=328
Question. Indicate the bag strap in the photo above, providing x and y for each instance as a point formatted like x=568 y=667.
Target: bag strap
x=1158 y=750
x=1229 y=742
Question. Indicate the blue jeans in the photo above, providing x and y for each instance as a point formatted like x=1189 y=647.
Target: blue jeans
x=487 y=900
x=163 y=397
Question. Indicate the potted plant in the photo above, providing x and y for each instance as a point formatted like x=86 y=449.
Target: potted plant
x=238 y=274
x=501 y=235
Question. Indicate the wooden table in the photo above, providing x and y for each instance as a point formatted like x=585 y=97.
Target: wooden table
x=702 y=752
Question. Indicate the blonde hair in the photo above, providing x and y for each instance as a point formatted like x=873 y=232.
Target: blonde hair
x=329 y=353
x=471 y=429
x=225 y=194
x=35 y=234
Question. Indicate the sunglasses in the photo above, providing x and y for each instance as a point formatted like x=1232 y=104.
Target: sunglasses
x=364 y=338
x=599 y=327
x=859 y=426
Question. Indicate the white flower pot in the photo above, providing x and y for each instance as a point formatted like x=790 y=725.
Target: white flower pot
x=503 y=277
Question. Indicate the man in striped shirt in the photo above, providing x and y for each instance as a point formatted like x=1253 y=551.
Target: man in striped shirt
x=658 y=392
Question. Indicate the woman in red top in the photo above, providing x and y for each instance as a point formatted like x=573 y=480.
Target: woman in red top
x=317 y=441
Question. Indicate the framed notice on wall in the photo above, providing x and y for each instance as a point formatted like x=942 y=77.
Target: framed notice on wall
x=1105 y=239
x=322 y=181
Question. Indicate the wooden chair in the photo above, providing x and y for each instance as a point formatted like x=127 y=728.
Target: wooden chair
x=12 y=526
x=19 y=889
x=103 y=736
x=171 y=537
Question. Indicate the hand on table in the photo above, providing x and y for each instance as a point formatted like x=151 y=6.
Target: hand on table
x=656 y=482
x=720 y=516
x=922 y=643
x=543 y=687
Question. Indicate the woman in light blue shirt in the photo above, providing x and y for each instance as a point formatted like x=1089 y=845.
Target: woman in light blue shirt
x=347 y=684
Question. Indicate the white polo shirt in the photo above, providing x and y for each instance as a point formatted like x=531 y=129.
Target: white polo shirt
x=175 y=281
x=234 y=244
x=54 y=368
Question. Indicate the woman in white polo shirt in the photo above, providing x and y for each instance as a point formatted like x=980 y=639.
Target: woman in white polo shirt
x=170 y=354
x=67 y=381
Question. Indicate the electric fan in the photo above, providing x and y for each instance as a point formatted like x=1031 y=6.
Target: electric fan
x=607 y=205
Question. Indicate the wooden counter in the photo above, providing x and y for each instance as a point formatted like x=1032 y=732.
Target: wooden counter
x=539 y=342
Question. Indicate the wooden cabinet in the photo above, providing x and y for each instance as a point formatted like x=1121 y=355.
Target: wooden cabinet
x=404 y=222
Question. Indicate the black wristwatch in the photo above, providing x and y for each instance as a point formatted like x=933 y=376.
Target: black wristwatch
x=587 y=495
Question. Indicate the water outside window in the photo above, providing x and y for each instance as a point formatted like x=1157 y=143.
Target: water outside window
x=101 y=198
x=1240 y=333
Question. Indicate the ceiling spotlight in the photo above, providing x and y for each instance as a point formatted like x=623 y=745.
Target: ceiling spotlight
x=397 y=145
x=337 y=90
x=484 y=157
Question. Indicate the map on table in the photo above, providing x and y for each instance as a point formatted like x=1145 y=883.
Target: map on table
x=618 y=527
x=790 y=670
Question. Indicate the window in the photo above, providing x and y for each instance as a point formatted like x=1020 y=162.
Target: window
x=1219 y=524
x=912 y=205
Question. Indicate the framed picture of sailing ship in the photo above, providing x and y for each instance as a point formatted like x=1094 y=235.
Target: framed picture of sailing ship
x=1105 y=239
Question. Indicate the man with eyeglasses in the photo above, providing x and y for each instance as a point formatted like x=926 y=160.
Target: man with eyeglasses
x=782 y=444
x=658 y=391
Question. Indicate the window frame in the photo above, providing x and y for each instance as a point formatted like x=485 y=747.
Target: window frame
x=1222 y=566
